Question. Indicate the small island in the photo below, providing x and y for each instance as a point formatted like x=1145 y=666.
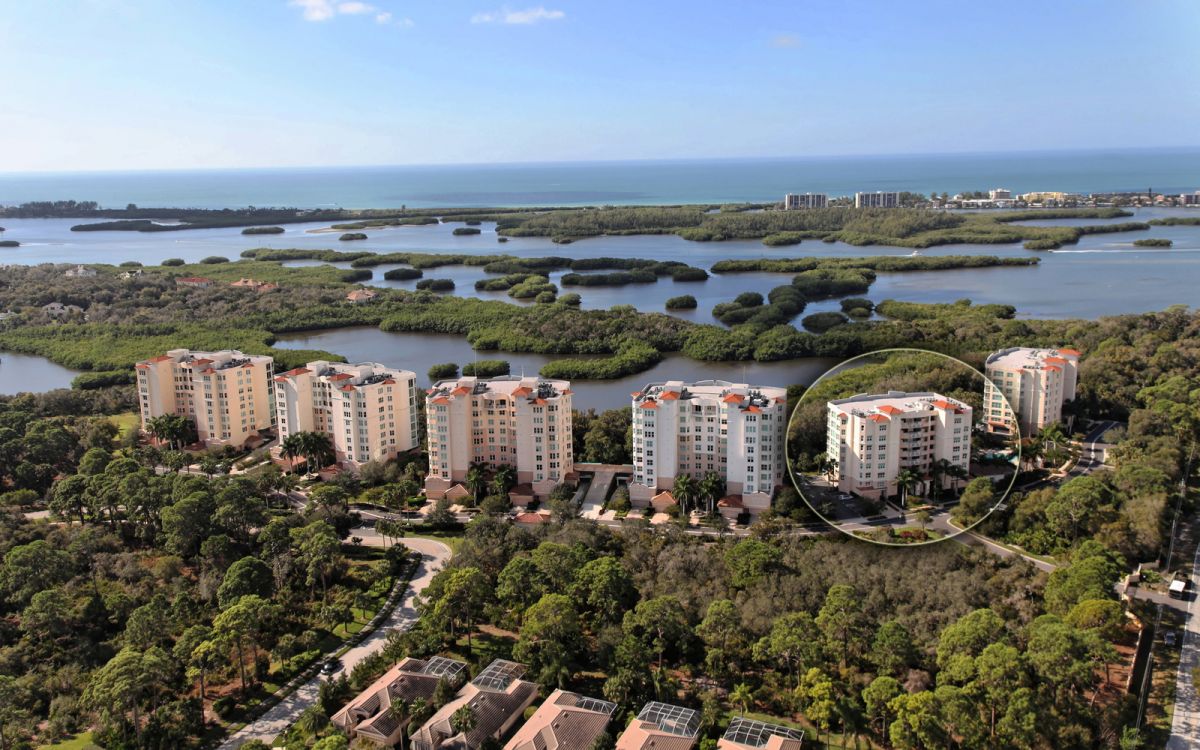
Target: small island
x=682 y=302
x=263 y=230
x=436 y=285
x=1152 y=242
x=350 y=236
x=403 y=274
x=9 y=243
x=467 y=230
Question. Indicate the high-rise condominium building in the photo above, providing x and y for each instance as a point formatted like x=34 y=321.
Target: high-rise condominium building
x=875 y=437
x=876 y=200
x=227 y=394
x=1000 y=194
x=793 y=201
x=523 y=422
x=369 y=411
x=1035 y=382
x=735 y=430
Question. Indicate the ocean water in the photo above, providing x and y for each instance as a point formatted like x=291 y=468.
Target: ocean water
x=634 y=182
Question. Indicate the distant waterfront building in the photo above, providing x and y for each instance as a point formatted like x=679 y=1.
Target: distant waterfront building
x=793 y=201
x=565 y=720
x=495 y=699
x=523 y=422
x=227 y=394
x=369 y=715
x=1035 y=382
x=877 y=199
x=997 y=194
x=875 y=437
x=735 y=430
x=661 y=726
x=749 y=734
x=1047 y=197
x=80 y=272
x=1189 y=199
x=369 y=411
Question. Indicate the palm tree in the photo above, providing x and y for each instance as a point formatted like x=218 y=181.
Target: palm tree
x=462 y=720
x=317 y=448
x=937 y=473
x=742 y=696
x=906 y=480
x=684 y=490
x=476 y=480
x=398 y=711
x=957 y=473
x=712 y=489
x=291 y=448
x=829 y=467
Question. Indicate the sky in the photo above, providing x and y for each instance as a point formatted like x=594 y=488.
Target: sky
x=176 y=84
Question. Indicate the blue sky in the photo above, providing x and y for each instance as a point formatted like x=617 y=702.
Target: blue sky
x=149 y=84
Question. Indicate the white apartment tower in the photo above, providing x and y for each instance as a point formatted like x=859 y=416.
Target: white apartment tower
x=1035 y=382
x=227 y=394
x=369 y=411
x=876 y=200
x=793 y=201
x=735 y=430
x=875 y=437
x=523 y=422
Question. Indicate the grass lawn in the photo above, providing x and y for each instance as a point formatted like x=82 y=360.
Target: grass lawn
x=452 y=539
x=78 y=742
x=125 y=421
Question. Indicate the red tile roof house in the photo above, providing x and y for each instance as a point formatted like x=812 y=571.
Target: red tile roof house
x=369 y=716
x=661 y=726
x=748 y=734
x=565 y=720
x=496 y=698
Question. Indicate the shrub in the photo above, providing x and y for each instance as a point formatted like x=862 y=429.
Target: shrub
x=349 y=236
x=213 y=260
x=1042 y=244
x=9 y=243
x=436 y=285
x=87 y=381
x=487 y=368
x=263 y=230
x=572 y=299
x=545 y=298
x=403 y=274
x=466 y=230
x=632 y=358
x=852 y=303
x=689 y=273
x=443 y=371
x=749 y=299
x=823 y=321
x=354 y=275
x=1152 y=242
x=682 y=302
x=780 y=239
x=131 y=264
x=173 y=262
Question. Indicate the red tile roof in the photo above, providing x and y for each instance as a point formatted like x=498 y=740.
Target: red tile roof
x=889 y=409
x=734 y=398
x=878 y=418
x=649 y=404
x=669 y=396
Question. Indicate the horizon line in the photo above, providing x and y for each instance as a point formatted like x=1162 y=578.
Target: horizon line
x=584 y=162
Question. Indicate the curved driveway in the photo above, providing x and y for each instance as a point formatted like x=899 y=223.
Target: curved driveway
x=275 y=721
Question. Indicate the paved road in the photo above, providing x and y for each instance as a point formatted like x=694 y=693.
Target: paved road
x=1185 y=727
x=274 y=722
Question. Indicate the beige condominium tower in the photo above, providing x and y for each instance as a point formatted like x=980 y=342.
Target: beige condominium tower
x=523 y=422
x=227 y=394
x=732 y=429
x=369 y=411
x=873 y=438
x=1036 y=383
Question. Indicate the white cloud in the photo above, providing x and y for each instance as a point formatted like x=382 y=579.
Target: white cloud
x=324 y=10
x=355 y=8
x=314 y=10
x=518 y=17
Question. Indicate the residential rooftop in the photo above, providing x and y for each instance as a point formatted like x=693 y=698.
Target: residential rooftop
x=750 y=733
x=1018 y=357
x=895 y=402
